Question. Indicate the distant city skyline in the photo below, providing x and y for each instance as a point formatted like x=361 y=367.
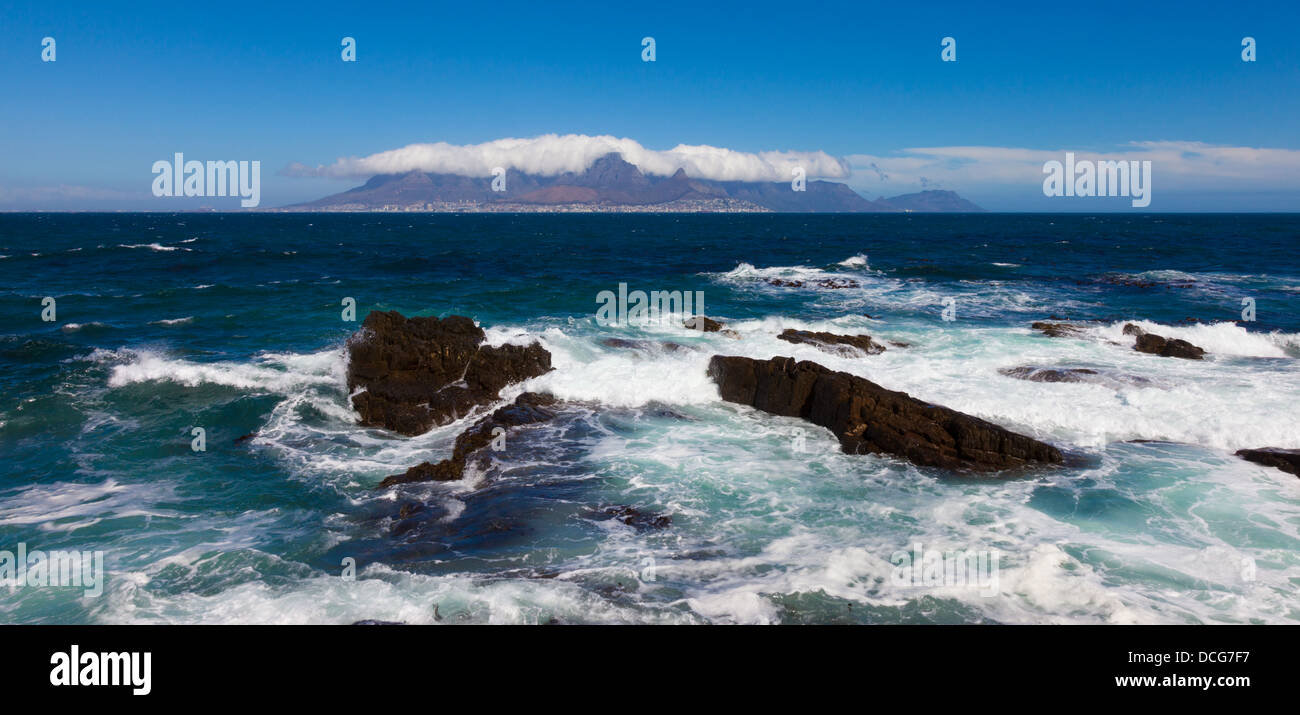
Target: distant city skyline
x=860 y=93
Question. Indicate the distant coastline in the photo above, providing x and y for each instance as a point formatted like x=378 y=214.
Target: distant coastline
x=613 y=185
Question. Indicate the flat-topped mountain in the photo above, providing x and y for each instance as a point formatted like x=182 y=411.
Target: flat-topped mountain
x=613 y=184
x=932 y=201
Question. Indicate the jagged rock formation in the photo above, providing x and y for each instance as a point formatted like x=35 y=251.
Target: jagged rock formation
x=528 y=408
x=1167 y=347
x=846 y=345
x=868 y=418
x=1057 y=330
x=699 y=322
x=1288 y=460
x=829 y=283
x=421 y=372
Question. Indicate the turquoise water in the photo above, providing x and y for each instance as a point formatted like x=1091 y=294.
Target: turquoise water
x=232 y=323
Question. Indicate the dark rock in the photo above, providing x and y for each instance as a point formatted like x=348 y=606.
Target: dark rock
x=1057 y=330
x=837 y=283
x=898 y=344
x=1165 y=347
x=245 y=438
x=410 y=509
x=372 y=622
x=528 y=408
x=445 y=471
x=421 y=372
x=830 y=283
x=868 y=418
x=1048 y=374
x=700 y=322
x=634 y=517
x=1119 y=279
x=830 y=342
x=1288 y=460
x=1131 y=329
x=1035 y=373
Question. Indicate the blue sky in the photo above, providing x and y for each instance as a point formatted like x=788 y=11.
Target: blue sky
x=860 y=80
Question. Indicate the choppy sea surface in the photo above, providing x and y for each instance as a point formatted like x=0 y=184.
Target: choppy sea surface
x=233 y=323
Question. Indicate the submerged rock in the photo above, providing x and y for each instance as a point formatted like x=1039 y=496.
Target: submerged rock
x=1166 y=347
x=643 y=344
x=528 y=408
x=420 y=372
x=869 y=418
x=633 y=517
x=830 y=342
x=1049 y=374
x=1035 y=373
x=1288 y=460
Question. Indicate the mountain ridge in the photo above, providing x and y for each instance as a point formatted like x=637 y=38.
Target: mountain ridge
x=613 y=184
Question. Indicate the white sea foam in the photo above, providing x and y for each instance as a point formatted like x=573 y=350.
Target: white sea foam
x=379 y=593
x=74 y=327
x=272 y=372
x=1216 y=338
x=70 y=506
x=153 y=246
x=831 y=524
x=875 y=290
x=771 y=523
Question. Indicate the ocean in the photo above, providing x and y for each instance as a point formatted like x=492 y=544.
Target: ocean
x=234 y=324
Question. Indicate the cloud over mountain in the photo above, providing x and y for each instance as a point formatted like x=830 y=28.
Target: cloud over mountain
x=553 y=154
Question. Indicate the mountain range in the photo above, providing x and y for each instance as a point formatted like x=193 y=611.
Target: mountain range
x=613 y=184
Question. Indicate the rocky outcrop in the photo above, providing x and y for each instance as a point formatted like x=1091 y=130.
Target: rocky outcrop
x=829 y=283
x=1167 y=347
x=699 y=322
x=1057 y=330
x=420 y=372
x=1162 y=346
x=1288 y=460
x=708 y=325
x=528 y=408
x=832 y=343
x=868 y=418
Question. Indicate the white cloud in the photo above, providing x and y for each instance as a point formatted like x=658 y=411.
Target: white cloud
x=552 y=154
x=1176 y=165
